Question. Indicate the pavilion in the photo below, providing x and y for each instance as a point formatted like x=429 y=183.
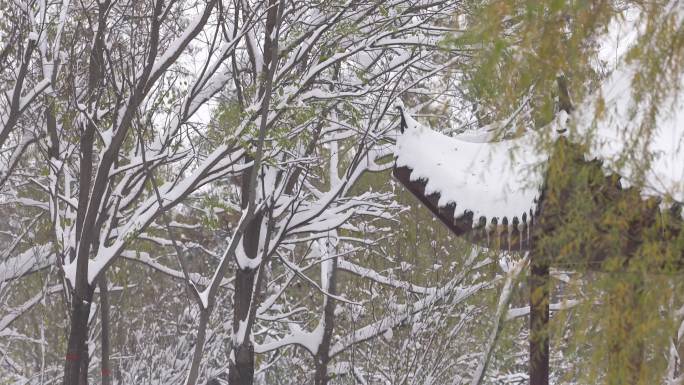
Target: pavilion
x=517 y=195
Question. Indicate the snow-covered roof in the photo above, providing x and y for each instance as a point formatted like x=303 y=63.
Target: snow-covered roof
x=620 y=124
x=490 y=179
x=504 y=179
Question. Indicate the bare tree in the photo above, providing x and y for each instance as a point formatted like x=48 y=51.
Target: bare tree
x=123 y=138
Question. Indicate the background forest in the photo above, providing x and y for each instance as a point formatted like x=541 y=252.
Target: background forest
x=200 y=192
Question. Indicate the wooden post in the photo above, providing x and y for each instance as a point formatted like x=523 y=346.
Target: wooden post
x=539 y=321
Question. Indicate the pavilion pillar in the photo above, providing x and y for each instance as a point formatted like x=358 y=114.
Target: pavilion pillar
x=538 y=282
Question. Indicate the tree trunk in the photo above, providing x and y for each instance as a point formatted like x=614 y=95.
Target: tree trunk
x=321 y=374
x=539 y=321
x=85 y=363
x=241 y=367
x=76 y=367
x=199 y=345
x=104 y=317
x=323 y=355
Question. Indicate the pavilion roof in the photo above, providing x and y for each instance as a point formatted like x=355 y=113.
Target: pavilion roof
x=493 y=180
x=489 y=179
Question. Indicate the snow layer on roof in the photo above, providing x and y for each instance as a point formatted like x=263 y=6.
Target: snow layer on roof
x=504 y=179
x=494 y=180
x=620 y=122
x=612 y=133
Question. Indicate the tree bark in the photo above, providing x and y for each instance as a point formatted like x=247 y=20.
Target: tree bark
x=322 y=357
x=539 y=321
x=76 y=367
x=564 y=101
x=104 y=321
x=197 y=354
x=241 y=367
